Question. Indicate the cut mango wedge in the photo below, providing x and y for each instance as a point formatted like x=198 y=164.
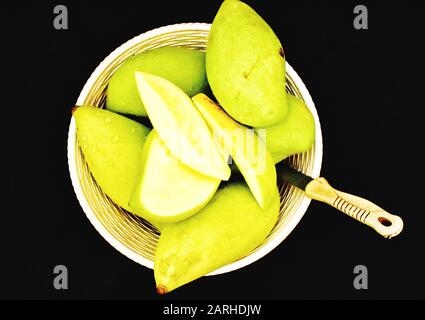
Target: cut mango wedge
x=180 y=126
x=169 y=191
x=245 y=146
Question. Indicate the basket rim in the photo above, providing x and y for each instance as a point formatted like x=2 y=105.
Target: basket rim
x=267 y=247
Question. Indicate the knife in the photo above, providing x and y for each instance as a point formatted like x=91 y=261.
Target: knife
x=386 y=224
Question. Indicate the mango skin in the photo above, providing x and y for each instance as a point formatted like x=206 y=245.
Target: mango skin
x=228 y=228
x=294 y=134
x=112 y=146
x=246 y=66
x=182 y=66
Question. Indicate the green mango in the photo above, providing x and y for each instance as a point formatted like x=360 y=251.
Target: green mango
x=112 y=146
x=182 y=66
x=228 y=228
x=245 y=65
x=294 y=134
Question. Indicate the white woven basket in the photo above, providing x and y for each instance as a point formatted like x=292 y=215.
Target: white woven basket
x=131 y=235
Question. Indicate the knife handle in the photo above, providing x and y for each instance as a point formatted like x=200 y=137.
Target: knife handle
x=386 y=224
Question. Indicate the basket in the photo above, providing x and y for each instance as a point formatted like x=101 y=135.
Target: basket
x=130 y=234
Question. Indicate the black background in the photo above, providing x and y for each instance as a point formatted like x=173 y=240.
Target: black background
x=366 y=86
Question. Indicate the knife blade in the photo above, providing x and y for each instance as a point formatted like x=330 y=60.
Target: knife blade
x=292 y=176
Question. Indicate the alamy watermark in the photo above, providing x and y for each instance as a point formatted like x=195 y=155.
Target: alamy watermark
x=60 y=21
x=360 y=281
x=194 y=145
x=60 y=281
x=361 y=19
